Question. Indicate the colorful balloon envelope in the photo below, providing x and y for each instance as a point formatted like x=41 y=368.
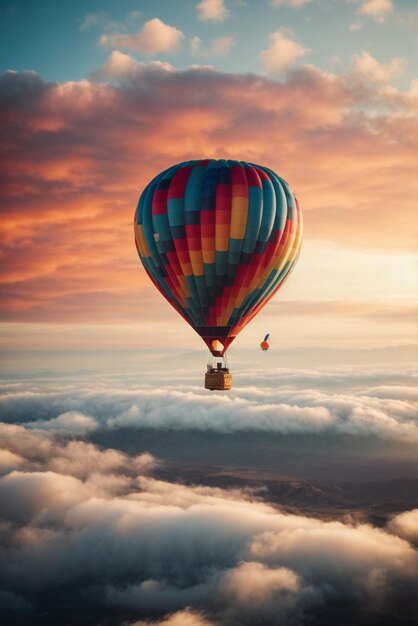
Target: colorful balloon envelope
x=218 y=239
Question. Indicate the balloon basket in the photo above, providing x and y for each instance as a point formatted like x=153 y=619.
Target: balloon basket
x=218 y=377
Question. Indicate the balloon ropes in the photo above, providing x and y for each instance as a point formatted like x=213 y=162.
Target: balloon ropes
x=218 y=239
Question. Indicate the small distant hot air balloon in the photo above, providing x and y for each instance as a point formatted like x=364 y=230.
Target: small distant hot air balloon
x=264 y=344
x=218 y=239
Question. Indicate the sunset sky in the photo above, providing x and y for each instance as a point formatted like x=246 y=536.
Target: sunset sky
x=97 y=97
x=130 y=495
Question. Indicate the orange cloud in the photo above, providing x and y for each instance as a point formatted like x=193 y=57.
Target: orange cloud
x=78 y=154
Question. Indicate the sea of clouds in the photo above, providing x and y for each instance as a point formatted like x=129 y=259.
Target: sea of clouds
x=83 y=526
x=74 y=516
x=375 y=402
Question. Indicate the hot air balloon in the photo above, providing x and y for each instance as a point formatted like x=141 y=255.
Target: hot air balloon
x=218 y=238
x=264 y=345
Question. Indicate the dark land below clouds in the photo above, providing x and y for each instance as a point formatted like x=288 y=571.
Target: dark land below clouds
x=335 y=476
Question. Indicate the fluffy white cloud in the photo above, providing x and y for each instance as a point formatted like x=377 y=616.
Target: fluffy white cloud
x=82 y=523
x=69 y=423
x=282 y=52
x=306 y=402
x=212 y=11
x=155 y=36
x=9 y=460
x=118 y=64
x=40 y=496
x=406 y=525
x=379 y=10
x=188 y=546
x=252 y=583
x=32 y=449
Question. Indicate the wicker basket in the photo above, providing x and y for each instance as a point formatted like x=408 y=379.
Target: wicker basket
x=218 y=380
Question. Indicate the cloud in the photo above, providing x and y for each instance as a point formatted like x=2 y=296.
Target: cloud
x=155 y=37
x=221 y=46
x=366 y=67
x=69 y=423
x=27 y=495
x=180 y=618
x=272 y=412
x=299 y=405
x=9 y=460
x=252 y=583
x=27 y=449
x=297 y=4
x=81 y=152
x=105 y=22
x=218 y=47
x=406 y=525
x=282 y=53
x=379 y=10
x=91 y=19
x=394 y=391
x=175 y=553
x=212 y=11
x=195 y=45
x=118 y=64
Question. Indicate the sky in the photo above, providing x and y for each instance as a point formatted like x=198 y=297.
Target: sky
x=97 y=97
x=130 y=495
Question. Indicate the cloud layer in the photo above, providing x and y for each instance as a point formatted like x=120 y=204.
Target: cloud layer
x=80 y=153
x=88 y=524
x=376 y=403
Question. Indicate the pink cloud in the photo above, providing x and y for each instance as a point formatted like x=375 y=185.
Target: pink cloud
x=283 y=51
x=156 y=36
x=79 y=154
x=212 y=11
x=366 y=67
